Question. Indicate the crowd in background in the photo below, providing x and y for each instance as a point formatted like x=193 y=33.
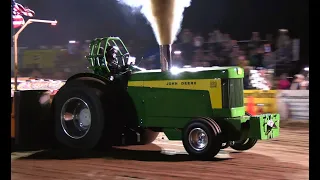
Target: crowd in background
x=194 y=49
x=220 y=49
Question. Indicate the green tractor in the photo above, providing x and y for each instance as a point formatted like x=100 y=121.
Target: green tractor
x=122 y=104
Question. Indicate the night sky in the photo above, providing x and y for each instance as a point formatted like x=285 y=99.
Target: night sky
x=87 y=19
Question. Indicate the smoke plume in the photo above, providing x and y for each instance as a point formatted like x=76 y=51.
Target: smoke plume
x=164 y=16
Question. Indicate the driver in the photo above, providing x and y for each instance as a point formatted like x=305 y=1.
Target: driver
x=111 y=57
x=112 y=60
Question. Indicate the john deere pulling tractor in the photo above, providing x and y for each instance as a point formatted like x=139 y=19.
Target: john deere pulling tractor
x=203 y=107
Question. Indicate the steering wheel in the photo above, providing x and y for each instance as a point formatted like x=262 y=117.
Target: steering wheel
x=126 y=57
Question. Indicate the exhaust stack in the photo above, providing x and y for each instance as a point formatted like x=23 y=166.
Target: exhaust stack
x=165 y=57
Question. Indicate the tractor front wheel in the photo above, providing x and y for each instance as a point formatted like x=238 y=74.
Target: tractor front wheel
x=201 y=138
x=225 y=145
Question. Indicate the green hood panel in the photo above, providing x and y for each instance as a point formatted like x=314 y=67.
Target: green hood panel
x=189 y=73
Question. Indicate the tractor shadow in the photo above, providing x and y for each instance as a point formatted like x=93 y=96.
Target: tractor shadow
x=243 y=164
x=149 y=152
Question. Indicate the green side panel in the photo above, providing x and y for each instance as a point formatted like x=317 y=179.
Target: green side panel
x=173 y=134
x=261 y=129
x=137 y=95
x=232 y=112
x=205 y=73
x=169 y=108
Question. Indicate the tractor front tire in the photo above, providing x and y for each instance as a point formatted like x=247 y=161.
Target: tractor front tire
x=87 y=109
x=243 y=145
x=201 y=138
x=225 y=145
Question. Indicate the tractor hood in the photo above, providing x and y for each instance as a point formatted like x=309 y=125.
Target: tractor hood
x=188 y=73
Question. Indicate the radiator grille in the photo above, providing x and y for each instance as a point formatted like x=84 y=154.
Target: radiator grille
x=232 y=93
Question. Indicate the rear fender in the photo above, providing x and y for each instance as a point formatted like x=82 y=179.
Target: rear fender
x=117 y=95
x=90 y=77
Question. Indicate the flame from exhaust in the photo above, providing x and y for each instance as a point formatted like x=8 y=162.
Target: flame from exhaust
x=164 y=16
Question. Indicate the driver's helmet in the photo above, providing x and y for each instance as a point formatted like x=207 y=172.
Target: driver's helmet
x=111 y=54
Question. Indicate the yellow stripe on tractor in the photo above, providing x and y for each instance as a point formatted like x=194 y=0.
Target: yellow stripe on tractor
x=211 y=85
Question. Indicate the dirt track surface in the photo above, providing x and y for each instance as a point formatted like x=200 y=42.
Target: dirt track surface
x=286 y=157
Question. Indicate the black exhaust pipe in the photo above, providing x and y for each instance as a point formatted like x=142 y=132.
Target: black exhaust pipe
x=165 y=57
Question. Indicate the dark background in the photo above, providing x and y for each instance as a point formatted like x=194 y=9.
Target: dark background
x=87 y=19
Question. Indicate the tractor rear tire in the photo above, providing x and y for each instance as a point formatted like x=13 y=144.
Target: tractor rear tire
x=244 y=145
x=207 y=134
x=91 y=99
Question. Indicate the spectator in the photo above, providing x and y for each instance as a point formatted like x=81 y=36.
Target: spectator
x=283 y=39
x=227 y=40
x=269 y=60
x=216 y=42
x=85 y=46
x=242 y=62
x=256 y=59
x=246 y=78
x=304 y=85
x=59 y=75
x=198 y=57
x=242 y=53
x=212 y=38
x=255 y=40
x=212 y=59
x=284 y=46
x=187 y=44
x=269 y=80
x=36 y=74
x=269 y=38
x=225 y=55
x=198 y=41
x=149 y=62
x=234 y=44
x=255 y=37
x=298 y=80
x=218 y=36
x=283 y=83
x=177 y=58
x=186 y=36
x=234 y=55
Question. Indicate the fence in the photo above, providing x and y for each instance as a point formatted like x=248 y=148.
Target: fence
x=294 y=104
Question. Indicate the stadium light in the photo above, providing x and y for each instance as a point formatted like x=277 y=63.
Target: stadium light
x=15 y=41
x=177 y=52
